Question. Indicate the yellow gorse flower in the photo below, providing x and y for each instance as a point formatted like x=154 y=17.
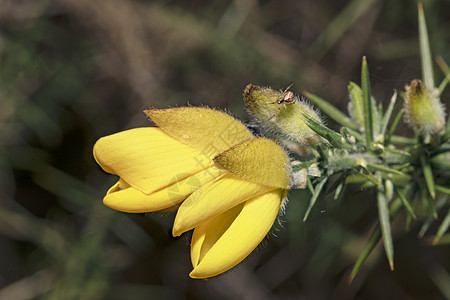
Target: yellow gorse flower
x=227 y=184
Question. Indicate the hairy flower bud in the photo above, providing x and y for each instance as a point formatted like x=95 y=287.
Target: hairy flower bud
x=423 y=110
x=279 y=113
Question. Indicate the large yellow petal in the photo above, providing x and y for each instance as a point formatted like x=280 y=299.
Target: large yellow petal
x=207 y=130
x=259 y=160
x=222 y=242
x=213 y=199
x=125 y=198
x=147 y=158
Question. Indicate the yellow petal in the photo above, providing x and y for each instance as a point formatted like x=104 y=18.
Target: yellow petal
x=213 y=199
x=125 y=198
x=207 y=130
x=259 y=160
x=222 y=242
x=147 y=158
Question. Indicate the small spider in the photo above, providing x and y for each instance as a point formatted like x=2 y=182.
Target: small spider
x=288 y=98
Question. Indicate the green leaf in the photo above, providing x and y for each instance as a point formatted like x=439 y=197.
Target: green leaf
x=370 y=177
x=331 y=136
x=446 y=70
x=441 y=278
x=338 y=26
x=373 y=240
x=357 y=101
x=331 y=111
x=428 y=175
x=394 y=125
x=313 y=200
x=356 y=134
x=310 y=186
x=426 y=225
x=302 y=165
x=426 y=199
x=425 y=53
x=399 y=152
x=387 y=115
x=375 y=167
x=443 y=65
x=385 y=224
x=368 y=105
x=405 y=202
x=446 y=135
x=402 y=140
x=443 y=84
x=443 y=189
x=368 y=248
x=442 y=228
x=339 y=190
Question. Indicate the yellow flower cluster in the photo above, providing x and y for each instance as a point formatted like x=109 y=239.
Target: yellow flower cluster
x=226 y=184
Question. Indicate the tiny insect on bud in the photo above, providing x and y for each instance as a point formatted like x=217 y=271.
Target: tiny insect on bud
x=280 y=114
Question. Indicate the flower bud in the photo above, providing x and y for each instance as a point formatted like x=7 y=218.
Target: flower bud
x=423 y=110
x=279 y=114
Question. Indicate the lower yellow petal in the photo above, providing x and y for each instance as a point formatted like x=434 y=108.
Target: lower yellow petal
x=213 y=199
x=125 y=198
x=147 y=158
x=222 y=242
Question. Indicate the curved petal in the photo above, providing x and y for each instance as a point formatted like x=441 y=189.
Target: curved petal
x=213 y=199
x=259 y=160
x=125 y=198
x=222 y=242
x=207 y=130
x=147 y=158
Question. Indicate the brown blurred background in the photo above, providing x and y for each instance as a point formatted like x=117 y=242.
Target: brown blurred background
x=72 y=71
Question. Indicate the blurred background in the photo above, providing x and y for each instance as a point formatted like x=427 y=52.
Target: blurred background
x=72 y=71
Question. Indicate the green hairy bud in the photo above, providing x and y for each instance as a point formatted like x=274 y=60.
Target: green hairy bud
x=423 y=110
x=279 y=113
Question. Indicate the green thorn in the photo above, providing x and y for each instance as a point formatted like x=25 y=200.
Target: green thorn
x=425 y=52
x=428 y=175
x=368 y=106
